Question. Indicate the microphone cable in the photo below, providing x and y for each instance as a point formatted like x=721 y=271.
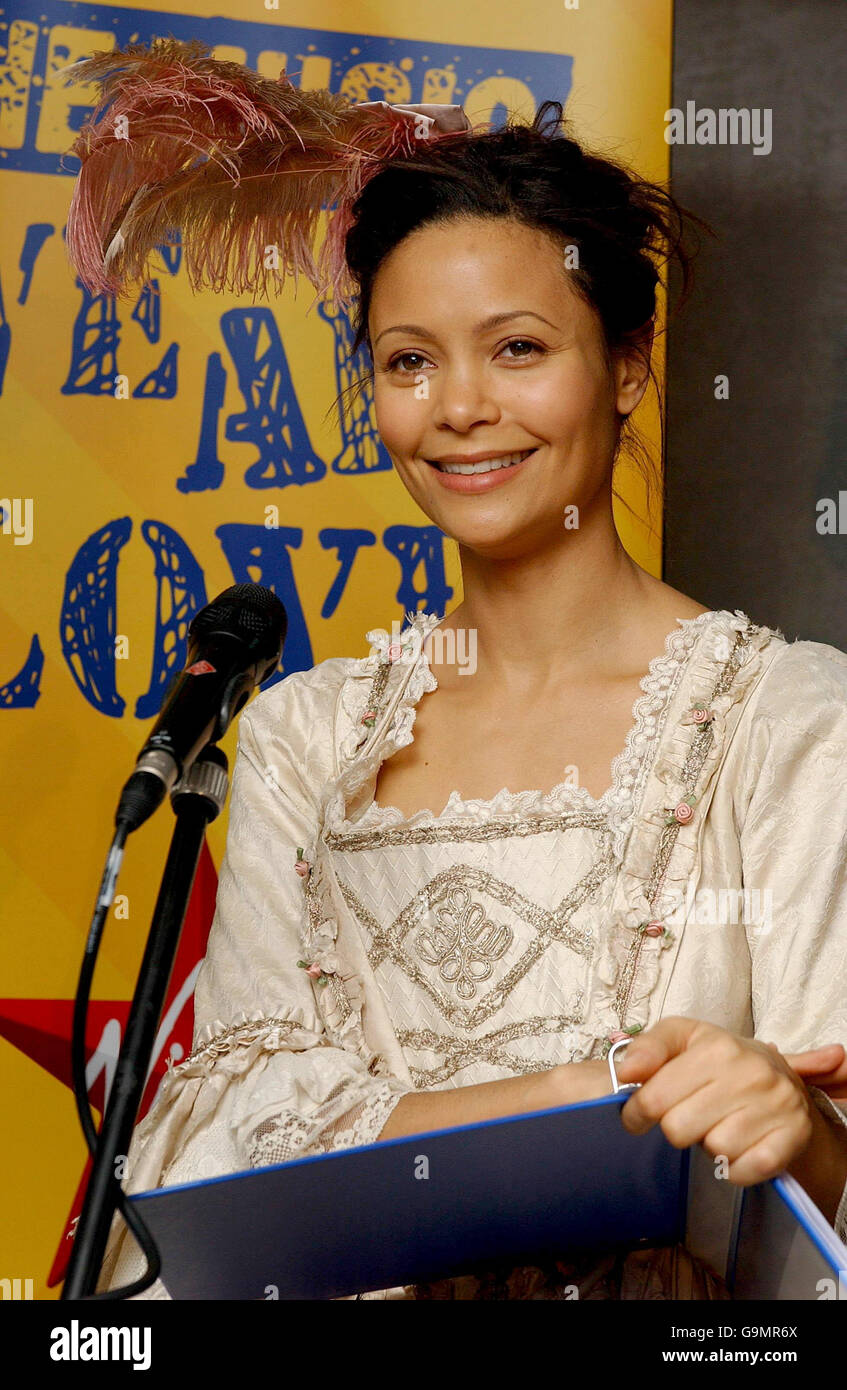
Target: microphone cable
x=138 y=1228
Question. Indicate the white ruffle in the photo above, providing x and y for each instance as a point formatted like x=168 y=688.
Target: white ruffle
x=638 y=899
x=287 y=1029
x=363 y=749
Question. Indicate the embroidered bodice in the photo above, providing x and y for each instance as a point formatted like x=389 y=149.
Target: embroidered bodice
x=481 y=923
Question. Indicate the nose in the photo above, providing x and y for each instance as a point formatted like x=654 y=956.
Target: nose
x=463 y=397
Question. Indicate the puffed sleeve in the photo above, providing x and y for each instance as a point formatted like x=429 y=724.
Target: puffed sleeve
x=267 y=1079
x=794 y=857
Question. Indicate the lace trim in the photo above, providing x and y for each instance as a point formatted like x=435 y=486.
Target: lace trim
x=662 y=854
x=223 y=1051
x=629 y=768
x=287 y=1134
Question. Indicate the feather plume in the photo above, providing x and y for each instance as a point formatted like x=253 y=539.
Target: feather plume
x=234 y=161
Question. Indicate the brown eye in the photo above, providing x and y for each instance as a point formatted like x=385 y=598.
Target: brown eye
x=403 y=357
x=523 y=342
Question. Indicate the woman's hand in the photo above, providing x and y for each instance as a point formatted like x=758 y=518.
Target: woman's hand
x=824 y=1067
x=737 y=1097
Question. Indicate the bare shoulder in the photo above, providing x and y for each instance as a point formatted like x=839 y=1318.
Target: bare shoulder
x=652 y=622
x=670 y=603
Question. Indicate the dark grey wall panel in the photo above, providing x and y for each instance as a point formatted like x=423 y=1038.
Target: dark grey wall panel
x=744 y=475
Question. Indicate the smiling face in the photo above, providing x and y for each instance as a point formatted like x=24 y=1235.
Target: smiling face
x=448 y=385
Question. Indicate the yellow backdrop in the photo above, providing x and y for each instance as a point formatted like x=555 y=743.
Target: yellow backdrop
x=127 y=504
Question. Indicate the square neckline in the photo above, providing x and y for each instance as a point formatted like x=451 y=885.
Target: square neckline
x=618 y=799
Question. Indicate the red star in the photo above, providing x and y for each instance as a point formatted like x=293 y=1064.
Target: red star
x=41 y=1029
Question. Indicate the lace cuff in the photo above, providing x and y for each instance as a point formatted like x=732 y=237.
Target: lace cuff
x=834 y=1112
x=355 y=1112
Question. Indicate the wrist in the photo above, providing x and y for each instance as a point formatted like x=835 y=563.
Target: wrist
x=570 y=1082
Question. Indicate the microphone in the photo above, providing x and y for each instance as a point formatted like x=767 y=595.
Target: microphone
x=234 y=644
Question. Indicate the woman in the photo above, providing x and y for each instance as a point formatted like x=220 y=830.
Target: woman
x=450 y=885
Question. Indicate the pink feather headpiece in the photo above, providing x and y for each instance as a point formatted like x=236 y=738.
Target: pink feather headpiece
x=234 y=161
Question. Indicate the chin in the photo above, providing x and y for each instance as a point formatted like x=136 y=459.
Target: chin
x=507 y=545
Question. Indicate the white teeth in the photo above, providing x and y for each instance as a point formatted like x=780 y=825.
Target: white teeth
x=487 y=467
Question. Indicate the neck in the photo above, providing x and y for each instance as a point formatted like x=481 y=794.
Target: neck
x=544 y=615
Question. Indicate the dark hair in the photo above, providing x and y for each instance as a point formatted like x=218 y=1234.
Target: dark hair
x=623 y=226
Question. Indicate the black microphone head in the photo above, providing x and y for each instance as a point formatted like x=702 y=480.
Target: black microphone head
x=249 y=612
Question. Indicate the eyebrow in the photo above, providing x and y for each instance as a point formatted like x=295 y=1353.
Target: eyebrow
x=492 y=322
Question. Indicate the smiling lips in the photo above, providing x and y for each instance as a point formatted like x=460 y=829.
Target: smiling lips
x=480 y=463
x=478 y=473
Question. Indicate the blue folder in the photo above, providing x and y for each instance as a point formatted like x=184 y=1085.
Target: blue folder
x=509 y=1190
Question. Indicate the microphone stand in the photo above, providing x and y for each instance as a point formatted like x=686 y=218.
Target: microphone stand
x=197 y=799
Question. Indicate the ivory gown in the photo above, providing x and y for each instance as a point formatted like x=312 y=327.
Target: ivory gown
x=503 y=936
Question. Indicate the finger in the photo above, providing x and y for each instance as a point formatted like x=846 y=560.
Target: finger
x=736 y=1133
x=769 y=1156
x=837 y=1078
x=714 y=1077
x=657 y=1045
x=689 y=1121
x=751 y=1087
x=818 y=1060
x=714 y=1059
